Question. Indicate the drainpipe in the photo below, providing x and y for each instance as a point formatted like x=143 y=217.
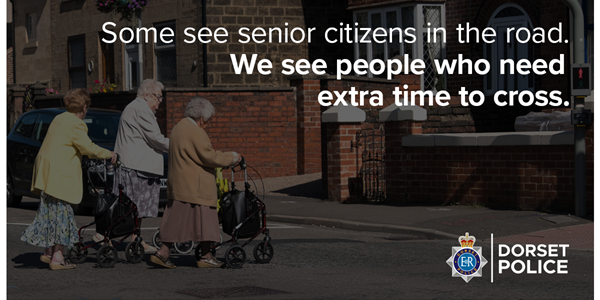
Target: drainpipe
x=579 y=58
x=204 y=48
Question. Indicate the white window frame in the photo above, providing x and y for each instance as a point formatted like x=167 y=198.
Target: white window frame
x=420 y=20
x=132 y=53
x=420 y=28
x=160 y=48
x=523 y=52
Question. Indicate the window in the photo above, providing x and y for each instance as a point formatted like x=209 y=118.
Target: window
x=507 y=16
x=132 y=62
x=403 y=17
x=41 y=127
x=102 y=128
x=31 y=21
x=107 y=56
x=77 y=74
x=165 y=56
x=25 y=126
x=387 y=18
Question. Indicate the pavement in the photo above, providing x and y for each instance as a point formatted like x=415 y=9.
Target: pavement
x=285 y=203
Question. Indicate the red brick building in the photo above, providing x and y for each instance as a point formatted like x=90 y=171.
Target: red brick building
x=276 y=119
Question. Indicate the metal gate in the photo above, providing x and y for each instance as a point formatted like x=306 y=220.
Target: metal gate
x=372 y=162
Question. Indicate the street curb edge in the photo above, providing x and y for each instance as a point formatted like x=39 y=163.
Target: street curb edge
x=429 y=234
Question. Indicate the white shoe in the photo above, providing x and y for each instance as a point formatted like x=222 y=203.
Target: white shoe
x=98 y=238
x=149 y=249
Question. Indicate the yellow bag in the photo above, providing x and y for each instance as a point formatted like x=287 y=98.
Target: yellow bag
x=222 y=188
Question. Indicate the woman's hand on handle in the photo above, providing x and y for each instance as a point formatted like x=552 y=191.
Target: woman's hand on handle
x=113 y=158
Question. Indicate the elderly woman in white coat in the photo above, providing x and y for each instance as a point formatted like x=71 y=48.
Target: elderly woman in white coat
x=140 y=145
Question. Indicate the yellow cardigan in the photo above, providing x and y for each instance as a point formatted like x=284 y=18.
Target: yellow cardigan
x=192 y=163
x=57 y=169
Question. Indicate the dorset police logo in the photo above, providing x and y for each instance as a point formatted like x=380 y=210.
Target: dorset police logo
x=466 y=261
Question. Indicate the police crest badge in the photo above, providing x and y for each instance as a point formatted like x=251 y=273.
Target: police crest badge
x=466 y=261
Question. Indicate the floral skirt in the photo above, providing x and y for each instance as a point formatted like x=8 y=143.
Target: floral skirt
x=144 y=192
x=54 y=224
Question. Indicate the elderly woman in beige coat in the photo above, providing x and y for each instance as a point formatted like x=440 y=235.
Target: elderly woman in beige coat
x=191 y=213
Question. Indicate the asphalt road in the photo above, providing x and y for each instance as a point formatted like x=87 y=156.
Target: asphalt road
x=309 y=263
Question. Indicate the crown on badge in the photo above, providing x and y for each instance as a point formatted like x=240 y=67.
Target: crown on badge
x=466 y=240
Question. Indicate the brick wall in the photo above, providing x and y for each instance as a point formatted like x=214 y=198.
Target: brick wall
x=453 y=118
x=258 y=124
x=544 y=14
x=308 y=125
x=505 y=177
x=456 y=118
x=489 y=117
x=230 y=14
x=342 y=163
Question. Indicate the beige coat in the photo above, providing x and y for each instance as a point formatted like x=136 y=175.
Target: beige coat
x=57 y=169
x=192 y=163
x=139 y=142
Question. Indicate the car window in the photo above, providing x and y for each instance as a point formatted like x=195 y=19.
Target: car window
x=102 y=128
x=41 y=127
x=25 y=126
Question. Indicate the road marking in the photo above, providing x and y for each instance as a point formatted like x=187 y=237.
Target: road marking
x=282 y=226
x=19 y=224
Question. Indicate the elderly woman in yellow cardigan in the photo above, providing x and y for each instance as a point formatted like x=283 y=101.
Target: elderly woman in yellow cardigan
x=191 y=213
x=57 y=179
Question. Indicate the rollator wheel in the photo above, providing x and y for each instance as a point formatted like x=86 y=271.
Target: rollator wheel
x=134 y=252
x=235 y=257
x=156 y=239
x=263 y=252
x=76 y=255
x=184 y=248
x=107 y=256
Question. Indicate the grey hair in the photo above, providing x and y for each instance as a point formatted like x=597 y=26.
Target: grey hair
x=149 y=86
x=199 y=108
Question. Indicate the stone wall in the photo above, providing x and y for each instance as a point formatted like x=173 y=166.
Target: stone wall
x=10 y=74
x=33 y=54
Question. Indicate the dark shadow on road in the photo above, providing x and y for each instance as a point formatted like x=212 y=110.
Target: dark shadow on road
x=29 y=261
x=309 y=190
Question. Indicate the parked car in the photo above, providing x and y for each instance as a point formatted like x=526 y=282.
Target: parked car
x=26 y=137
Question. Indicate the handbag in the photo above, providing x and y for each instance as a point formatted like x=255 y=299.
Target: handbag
x=236 y=208
x=119 y=215
x=103 y=202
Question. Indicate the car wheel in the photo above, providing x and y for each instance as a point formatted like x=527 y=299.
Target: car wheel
x=12 y=199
